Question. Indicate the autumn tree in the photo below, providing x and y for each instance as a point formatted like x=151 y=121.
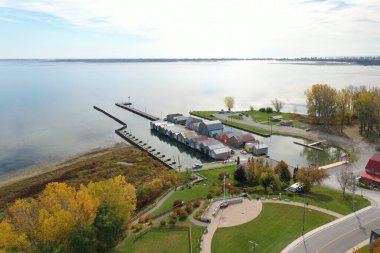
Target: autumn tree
x=240 y=175
x=229 y=102
x=12 y=240
x=344 y=178
x=116 y=193
x=321 y=104
x=343 y=99
x=282 y=169
x=311 y=176
x=277 y=104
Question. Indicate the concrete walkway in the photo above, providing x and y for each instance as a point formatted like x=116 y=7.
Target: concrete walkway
x=233 y=215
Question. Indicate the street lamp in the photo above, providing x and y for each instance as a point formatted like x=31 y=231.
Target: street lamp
x=304 y=212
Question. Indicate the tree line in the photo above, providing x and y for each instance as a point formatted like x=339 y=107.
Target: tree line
x=327 y=106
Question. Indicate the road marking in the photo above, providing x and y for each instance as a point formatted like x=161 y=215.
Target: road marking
x=343 y=235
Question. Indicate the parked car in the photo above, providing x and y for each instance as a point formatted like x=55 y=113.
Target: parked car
x=197 y=166
x=243 y=152
x=232 y=152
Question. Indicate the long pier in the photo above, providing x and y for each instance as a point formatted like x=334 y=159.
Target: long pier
x=145 y=147
x=109 y=115
x=127 y=106
x=312 y=145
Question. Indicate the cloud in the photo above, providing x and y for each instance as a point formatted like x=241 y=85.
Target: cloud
x=228 y=28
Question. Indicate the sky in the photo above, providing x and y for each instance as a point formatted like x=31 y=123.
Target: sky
x=188 y=28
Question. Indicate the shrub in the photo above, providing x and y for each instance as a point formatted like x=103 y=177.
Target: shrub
x=262 y=109
x=162 y=223
x=269 y=110
x=218 y=192
x=141 y=220
x=182 y=214
x=210 y=194
x=258 y=189
x=189 y=207
x=240 y=175
x=196 y=203
x=147 y=218
x=177 y=203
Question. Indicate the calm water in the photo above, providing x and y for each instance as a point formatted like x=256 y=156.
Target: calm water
x=46 y=108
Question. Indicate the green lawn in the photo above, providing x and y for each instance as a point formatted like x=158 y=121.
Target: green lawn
x=159 y=241
x=163 y=240
x=196 y=191
x=331 y=200
x=238 y=117
x=275 y=227
x=199 y=190
x=263 y=116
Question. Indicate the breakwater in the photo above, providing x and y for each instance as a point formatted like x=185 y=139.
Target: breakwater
x=109 y=115
x=127 y=106
x=145 y=147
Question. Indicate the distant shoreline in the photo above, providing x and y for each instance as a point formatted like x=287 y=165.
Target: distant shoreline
x=365 y=60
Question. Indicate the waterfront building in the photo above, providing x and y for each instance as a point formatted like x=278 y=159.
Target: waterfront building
x=238 y=141
x=371 y=175
x=212 y=128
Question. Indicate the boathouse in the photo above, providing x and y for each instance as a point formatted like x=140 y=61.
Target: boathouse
x=238 y=141
x=211 y=128
x=220 y=153
x=190 y=121
x=170 y=117
x=260 y=149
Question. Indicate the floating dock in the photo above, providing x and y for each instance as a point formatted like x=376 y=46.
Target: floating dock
x=311 y=145
x=109 y=115
x=145 y=147
x=127 y=106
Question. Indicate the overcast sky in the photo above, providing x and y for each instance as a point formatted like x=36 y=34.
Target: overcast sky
x=188 y=28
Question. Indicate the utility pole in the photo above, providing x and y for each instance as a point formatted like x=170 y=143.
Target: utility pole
x=353 y=191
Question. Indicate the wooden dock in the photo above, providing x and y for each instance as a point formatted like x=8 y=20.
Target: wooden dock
x=309 y=145
x=127 y=106
x=145 y=147
x=109 y=115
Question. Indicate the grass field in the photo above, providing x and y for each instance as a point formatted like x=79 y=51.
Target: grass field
x=331 y=200
x=213 y=182
x=275 y=227
x=163 y=240
x=299 y=121
x=196 y=191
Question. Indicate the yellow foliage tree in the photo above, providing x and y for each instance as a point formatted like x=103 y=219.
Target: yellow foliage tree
x=116 y=193
x=10 y=238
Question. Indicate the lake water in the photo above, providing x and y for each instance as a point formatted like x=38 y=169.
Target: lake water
x=46 y=109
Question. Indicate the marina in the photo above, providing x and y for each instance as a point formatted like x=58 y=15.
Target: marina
x=127 y=106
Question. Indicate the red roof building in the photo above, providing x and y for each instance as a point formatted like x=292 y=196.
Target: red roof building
x=372 y=171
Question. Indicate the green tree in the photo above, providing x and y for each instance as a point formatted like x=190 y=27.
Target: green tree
x=108 y=226
x=82 y=238
x=282 y=170
x=240 y=175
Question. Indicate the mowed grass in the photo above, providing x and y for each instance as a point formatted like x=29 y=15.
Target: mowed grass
x=298 y=120
x=238 y=117
x=197 y=191
x=163 y=240
x=275 y=227
x=158 y=241
x=332 y=200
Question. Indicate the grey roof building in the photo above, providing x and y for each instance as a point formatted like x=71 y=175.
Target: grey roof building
x=212 y=128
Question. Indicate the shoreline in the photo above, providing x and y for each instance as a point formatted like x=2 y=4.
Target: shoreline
x=46 y=167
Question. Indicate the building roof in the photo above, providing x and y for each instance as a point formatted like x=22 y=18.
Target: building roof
x=198 y=138
x=189 y=134
x=372 y=177
x=260 y=145
x=180 y=118
x=213 y=125
x=245 y=137
x=230 y=134
x=221 y=151
x=216 y=146
x=374 y=163
x=173 y=115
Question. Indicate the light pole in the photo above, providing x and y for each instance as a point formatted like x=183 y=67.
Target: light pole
x=253 y=246
x=304 y=213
